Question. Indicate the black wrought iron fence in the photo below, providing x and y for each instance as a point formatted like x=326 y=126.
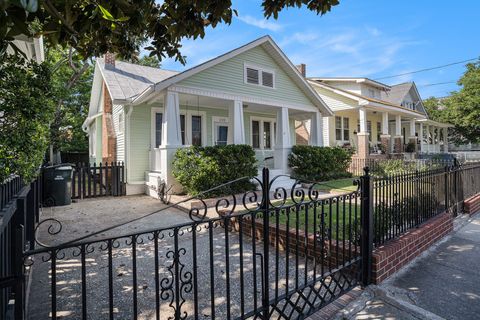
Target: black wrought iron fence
x=98 y=180
x=404 y=201
x=19 y=212
x=276 y=253
x=397 y=166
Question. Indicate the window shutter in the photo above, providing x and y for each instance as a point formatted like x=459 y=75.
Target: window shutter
x=267 y=79
x=252 y=76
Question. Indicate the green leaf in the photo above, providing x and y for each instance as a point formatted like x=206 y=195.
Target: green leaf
x=106 y=14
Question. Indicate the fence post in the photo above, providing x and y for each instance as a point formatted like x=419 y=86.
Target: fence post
x=366 y=209
x=18 y=246
x=266 y=240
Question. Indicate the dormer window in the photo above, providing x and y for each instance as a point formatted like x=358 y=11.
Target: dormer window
x=259 y=76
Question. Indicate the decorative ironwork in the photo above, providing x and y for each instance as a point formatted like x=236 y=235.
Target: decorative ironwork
x=272 y=252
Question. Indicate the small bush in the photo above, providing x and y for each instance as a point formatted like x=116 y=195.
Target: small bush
x=198 y=169
x=319 y=163
x=392 y=166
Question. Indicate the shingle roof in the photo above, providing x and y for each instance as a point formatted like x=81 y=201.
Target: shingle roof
x=397 y=92
x=127 y=80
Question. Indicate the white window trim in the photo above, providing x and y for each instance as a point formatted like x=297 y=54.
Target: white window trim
x=188 y=126
x=260 y=69
x=342 y=128
x=220 y=120
x=261 y=120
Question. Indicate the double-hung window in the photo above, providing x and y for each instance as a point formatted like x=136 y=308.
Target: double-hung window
x=342 y=129
x=259 y=76
x=196 y=130
x=261 y=133
x=158 y=129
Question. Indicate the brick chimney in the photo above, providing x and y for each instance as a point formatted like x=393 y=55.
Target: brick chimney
x=109 y=60
x=302 y=68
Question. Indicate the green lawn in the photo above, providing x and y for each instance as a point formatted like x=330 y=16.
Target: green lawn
x=335 y=217
x=337 y=186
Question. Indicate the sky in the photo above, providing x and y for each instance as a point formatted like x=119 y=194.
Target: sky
x=368 y=38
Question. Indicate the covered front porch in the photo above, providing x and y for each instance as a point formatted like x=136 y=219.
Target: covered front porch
x=373 y=131
x=180 y=119
x=433 y=136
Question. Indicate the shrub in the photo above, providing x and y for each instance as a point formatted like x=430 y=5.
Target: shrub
x=198 y=169
x=319 y=163
x=392 y=166
x=410 y=147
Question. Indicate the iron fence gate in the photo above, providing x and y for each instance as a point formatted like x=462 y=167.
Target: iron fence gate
x=272 y=253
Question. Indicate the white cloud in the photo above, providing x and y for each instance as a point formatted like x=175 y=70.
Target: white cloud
x=366 y=51
x=261 y=23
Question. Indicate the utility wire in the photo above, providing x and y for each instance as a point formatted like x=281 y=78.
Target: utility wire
x=435 y=84
x=426 y=69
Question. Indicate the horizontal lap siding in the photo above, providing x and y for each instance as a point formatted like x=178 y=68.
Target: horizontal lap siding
x=98 y=139
x=228 y=76
x=140 y=136
x=118 y=109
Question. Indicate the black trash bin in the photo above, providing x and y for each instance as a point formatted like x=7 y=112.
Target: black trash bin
x=57 y=185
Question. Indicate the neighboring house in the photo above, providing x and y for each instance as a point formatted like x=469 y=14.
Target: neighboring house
x=251 y=95
x=377 y=120
x=32 y=48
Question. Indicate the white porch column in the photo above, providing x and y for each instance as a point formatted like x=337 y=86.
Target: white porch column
x=385 y=137
x=398 y=125
x=427 y=134
x=384 y=123
x=171 y=138
x=362 y=136
x=445 y=140
x=237 y=128
x=420 y=135
x=316 y=127
x=283 y=143
x=412 y=137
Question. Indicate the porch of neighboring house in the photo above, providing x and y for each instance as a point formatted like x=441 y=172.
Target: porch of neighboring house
x=180 y=119
x=433 y=137
x=373 y=133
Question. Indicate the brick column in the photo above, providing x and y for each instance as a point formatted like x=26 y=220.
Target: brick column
x=362 y=137
x=385 y=140
x=397 y=144
x=109 y=140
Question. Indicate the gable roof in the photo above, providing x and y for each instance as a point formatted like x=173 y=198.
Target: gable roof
x=397 y=92
x=127 y=80
x=368 y=81
x=360 y=98
x=270 y=46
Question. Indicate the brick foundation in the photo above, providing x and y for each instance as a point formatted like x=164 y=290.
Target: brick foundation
x=472 y=205
x=389 y=258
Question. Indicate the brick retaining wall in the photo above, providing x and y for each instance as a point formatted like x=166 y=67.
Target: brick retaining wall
x=392 y=256
x=472 y=205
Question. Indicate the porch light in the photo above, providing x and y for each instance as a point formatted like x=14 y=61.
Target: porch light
x=354 y=131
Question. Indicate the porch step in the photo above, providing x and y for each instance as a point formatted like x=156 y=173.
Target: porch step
x=283 y=181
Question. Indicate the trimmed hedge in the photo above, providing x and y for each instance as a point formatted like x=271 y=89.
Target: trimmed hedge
x=319 y=163
x=198 y=169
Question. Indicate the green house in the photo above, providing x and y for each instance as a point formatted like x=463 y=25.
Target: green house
x=251 y=95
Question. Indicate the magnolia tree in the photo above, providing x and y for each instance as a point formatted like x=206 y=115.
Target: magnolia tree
x=42 y=104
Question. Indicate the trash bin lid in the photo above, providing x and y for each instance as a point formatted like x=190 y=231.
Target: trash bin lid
x=64 y=168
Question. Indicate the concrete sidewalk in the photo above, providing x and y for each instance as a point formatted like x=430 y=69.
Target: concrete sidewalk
x=443 y=283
